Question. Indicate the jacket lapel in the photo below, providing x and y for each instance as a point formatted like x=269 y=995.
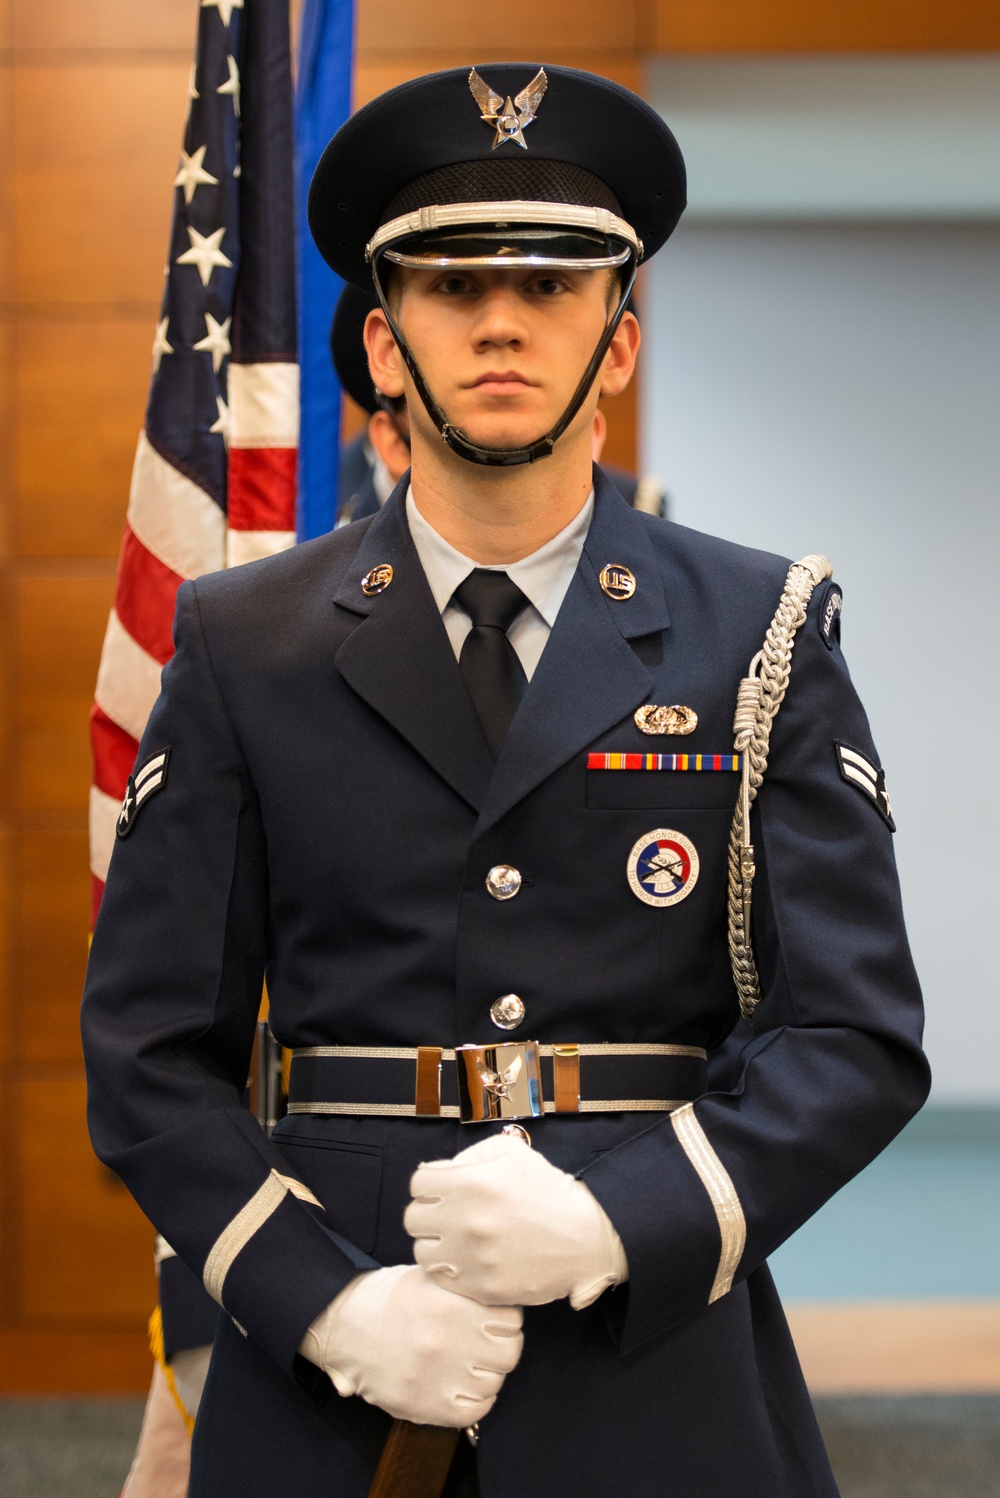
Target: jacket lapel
x=400 y=661
x=588 y=677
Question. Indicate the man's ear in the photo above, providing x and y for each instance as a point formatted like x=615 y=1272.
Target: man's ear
x=384 y=362
x=619 y=361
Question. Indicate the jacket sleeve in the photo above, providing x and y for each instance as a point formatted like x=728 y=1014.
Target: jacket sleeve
x=834 y=1067
x=171 y=1001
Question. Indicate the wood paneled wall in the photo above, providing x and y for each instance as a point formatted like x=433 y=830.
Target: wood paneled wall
x=93 y=94
x=92 y=103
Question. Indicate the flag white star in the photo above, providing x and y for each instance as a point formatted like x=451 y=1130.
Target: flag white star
x=224 y=7
x=191 y=173
x=204 y=253
x=221 y=424
x=160 y=344
x=232 y=83
x=216 y=341
x=192 y=84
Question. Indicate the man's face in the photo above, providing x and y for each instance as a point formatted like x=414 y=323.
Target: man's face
x=502 y=351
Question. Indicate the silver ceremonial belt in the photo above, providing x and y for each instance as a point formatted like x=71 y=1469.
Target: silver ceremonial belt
x=499 y=1081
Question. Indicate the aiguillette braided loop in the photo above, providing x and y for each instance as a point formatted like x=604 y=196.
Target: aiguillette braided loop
x=758 y=699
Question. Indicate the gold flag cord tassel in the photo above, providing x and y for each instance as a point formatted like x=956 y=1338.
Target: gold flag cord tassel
x=156 y=1347
x=758 y=699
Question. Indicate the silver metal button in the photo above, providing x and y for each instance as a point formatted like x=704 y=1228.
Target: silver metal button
x=507 y=1012
x=503 y=882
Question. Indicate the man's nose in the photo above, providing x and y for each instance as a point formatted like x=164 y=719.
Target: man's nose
x=499 y=317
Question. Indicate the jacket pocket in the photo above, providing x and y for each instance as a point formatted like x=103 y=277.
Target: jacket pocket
x=685 y=790
x=346 y=1178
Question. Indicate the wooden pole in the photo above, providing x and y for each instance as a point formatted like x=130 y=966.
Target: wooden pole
x=415 y=1461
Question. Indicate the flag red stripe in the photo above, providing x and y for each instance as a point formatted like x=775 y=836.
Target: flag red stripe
x=114 y=753
x=145 y=596
x=262 y=488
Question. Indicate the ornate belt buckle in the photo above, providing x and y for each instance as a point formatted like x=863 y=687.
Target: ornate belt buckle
x=499 y=1081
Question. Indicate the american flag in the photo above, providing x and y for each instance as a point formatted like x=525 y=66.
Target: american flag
x=213 y=483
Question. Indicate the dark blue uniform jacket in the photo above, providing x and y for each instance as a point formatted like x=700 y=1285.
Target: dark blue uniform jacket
x=329 y=814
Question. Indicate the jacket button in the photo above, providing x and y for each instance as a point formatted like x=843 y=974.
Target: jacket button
x=507 y=1012
x=503 y=882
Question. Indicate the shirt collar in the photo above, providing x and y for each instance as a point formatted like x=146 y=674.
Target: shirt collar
x=543 y=577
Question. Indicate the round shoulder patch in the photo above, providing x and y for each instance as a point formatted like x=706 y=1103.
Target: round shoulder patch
x=663 y=867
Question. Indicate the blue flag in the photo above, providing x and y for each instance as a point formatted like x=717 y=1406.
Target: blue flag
x=322 y=105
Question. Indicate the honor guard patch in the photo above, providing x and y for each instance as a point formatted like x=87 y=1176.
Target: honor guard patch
x=663 y=867
x=142 y=783
x=858 y=770
x=829 y=616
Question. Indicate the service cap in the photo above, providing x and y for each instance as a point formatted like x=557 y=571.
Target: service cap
x=508 y=163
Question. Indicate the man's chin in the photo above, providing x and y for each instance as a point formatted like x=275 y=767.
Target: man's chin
x=503 y=436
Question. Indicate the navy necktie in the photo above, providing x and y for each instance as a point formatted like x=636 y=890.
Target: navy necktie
x=493 y=674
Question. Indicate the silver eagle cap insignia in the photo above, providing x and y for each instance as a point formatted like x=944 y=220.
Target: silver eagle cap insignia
x=510 y=118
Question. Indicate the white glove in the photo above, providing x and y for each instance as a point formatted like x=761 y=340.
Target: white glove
x=418 y=1351
x=502 y=1225
x=190 y=1370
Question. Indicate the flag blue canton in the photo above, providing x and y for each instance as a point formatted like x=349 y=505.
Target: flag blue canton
x=187 y=413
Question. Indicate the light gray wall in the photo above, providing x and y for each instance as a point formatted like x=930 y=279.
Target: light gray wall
x=836 y=387
x=904 y=137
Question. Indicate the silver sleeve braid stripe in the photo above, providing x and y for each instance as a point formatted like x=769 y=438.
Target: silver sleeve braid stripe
x=757 y=703
x=249 y=1220
x=722 y=1194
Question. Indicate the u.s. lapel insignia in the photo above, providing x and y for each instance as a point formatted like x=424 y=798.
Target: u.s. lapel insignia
x=145 y=781
x=858 y=770
x=377 y=580
x=617 y=581
x=510 y=118
x=663 y=867
x=663 y=720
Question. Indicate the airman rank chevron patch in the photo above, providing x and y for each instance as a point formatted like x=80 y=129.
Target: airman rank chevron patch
x=858 y=770
x=142 y=783
x=730 y=762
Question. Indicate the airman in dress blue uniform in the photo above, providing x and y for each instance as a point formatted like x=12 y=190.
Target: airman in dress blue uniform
x=461 y=781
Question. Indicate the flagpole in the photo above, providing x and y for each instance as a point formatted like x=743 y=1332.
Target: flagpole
x=322 y=104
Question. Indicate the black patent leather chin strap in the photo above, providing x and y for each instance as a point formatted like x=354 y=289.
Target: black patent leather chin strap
x=504 y=457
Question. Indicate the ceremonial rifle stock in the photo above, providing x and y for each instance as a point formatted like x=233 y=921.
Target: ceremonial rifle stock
x=415 y=1461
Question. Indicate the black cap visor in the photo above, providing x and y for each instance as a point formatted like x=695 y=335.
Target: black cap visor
x=510 y=248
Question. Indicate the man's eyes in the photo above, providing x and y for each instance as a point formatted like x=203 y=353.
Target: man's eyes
x=540 y=286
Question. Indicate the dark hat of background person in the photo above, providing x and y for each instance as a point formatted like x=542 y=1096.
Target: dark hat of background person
x=508 y=165
x=347 y=346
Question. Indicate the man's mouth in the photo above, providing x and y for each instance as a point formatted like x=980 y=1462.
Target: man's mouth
x=496 y=378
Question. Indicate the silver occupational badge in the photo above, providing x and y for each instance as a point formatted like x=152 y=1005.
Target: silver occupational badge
x=663 y=867
x=509 y=118
x=663 y=720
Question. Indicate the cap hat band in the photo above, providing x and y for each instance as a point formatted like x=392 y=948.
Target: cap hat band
x=460 y=215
